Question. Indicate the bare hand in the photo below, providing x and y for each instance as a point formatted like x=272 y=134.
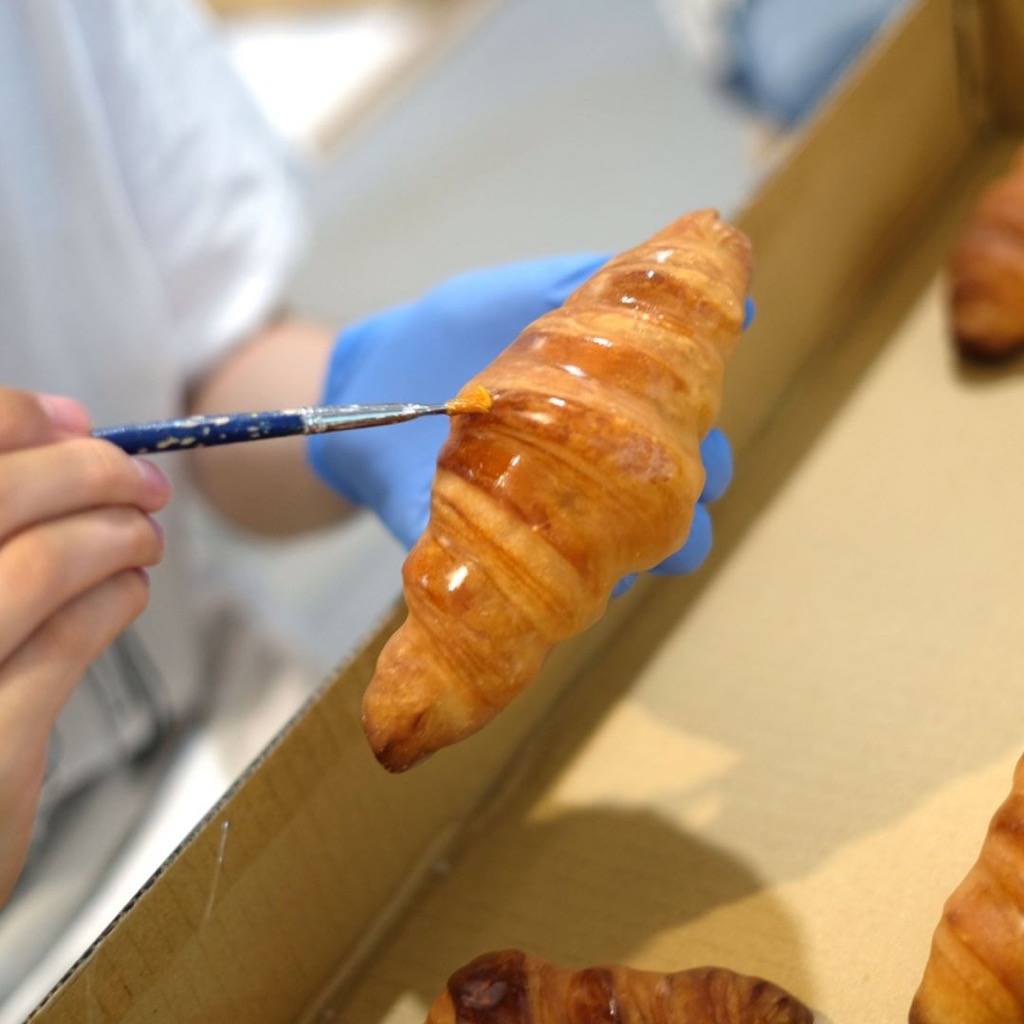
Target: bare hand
x=75 y=533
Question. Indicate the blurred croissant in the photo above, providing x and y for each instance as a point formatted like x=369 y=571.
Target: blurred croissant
x=512 y=988
x=975 y=970
x=986 y=271
x=586 y=468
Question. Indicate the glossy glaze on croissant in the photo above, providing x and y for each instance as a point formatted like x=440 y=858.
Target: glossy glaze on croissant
x=975 y=969
x=586 y=468
x=986 y=271
x=510 y=987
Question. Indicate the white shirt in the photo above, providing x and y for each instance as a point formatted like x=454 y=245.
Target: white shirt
x=148 y=219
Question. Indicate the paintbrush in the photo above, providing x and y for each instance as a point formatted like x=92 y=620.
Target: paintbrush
x=233 y=428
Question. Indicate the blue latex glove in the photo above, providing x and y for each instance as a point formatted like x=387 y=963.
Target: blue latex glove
x=425 y=352
x=783 y=55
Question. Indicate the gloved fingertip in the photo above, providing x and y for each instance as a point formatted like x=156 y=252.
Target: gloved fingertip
x=749 y=311
x=319 y=457
x=716 y=454
x=694 y=552
x=350 y=346
x=406 y=513
x=624 y=585
x=577 y=269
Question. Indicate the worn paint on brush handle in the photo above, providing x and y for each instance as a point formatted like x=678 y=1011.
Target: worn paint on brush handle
x=233 y=428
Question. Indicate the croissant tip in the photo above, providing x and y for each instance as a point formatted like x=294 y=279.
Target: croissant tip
x=395 y=761
x=398 y=742
x=393 y=753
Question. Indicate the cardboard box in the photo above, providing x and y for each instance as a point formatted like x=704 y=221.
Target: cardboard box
x=782 y=765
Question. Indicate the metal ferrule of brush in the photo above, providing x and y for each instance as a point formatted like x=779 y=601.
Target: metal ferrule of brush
x=322 y=419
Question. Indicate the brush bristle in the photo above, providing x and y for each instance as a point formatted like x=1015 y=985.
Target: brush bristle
x=476 y=399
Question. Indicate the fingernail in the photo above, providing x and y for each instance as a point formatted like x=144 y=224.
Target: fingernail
x=155 y=478
x=158 y=526
x=67 y=415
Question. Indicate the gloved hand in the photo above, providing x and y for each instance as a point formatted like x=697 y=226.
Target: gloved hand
x=424 y=352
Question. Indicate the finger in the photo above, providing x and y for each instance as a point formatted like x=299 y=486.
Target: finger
x=508 y=297
x=23 y=758
x=42 y=483
x=406 y=515
x=624 y=585
x=27 y=419
x=43 y=568
x=692 y=554
x=35 y=683
x=37 y=679
x=573 y=271
x=716 y=454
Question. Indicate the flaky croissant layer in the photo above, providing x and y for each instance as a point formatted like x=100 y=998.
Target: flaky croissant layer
x=975 y=969
x=510 y=987
x=586 y=468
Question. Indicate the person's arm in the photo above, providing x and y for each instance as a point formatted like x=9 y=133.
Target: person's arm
x=75 y=533
x=267 y=487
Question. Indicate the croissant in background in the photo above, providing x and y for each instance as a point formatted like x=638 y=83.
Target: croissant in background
x=986 y=271
x=586 y=468
x=510 y=987
x=975 y=969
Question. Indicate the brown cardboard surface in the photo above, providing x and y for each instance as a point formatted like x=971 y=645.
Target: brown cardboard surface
x=782 y=765
x=299 y=867
x=1004 y=40
x=785 y=768
x=849 y=194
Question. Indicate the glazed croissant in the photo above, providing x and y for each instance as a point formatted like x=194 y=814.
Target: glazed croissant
x=586 y=468
x=510 y=987
x=986 y=271
x=975 y=970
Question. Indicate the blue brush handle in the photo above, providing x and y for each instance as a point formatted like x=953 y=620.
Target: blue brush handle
x=204 y=431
